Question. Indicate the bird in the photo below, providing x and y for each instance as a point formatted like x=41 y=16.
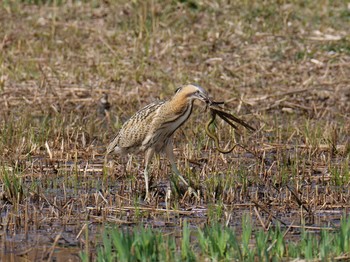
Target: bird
x=151 y=129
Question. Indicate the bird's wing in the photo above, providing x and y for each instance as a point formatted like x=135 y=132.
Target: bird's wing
x=135 y=130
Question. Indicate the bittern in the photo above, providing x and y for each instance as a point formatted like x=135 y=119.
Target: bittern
x=151 y=129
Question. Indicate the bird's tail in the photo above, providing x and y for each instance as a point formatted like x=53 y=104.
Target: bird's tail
x=112 y=146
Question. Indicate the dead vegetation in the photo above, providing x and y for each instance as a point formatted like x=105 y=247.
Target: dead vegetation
x=283 y=67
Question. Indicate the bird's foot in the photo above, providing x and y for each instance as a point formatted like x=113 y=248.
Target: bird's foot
x=191 y=192
x=148 y=198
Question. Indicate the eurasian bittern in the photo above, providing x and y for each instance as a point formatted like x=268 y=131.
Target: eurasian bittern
x=151 y=129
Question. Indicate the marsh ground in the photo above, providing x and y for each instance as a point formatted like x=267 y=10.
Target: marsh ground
x=283 y=66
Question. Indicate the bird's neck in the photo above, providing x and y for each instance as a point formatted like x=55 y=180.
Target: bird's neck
x=179 y=102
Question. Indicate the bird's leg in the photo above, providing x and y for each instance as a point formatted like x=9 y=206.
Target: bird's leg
x=145 y=173
x=148 y=157
x=170 y=155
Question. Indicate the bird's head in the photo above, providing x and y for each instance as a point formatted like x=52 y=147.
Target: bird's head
x=192 y=92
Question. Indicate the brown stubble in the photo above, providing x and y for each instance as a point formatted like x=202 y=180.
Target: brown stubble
x=286 y=74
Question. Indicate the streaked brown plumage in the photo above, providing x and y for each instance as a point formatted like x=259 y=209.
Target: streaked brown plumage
x=151 y=129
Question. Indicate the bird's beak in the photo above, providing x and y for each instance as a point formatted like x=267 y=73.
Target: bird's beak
x=204 y=97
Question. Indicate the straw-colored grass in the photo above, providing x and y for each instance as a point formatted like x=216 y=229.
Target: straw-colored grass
x=282 y=66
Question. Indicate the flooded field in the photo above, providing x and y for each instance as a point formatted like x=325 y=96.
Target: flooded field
x=63 y=205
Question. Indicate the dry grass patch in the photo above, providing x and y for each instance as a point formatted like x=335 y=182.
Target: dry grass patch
x=283 y=67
